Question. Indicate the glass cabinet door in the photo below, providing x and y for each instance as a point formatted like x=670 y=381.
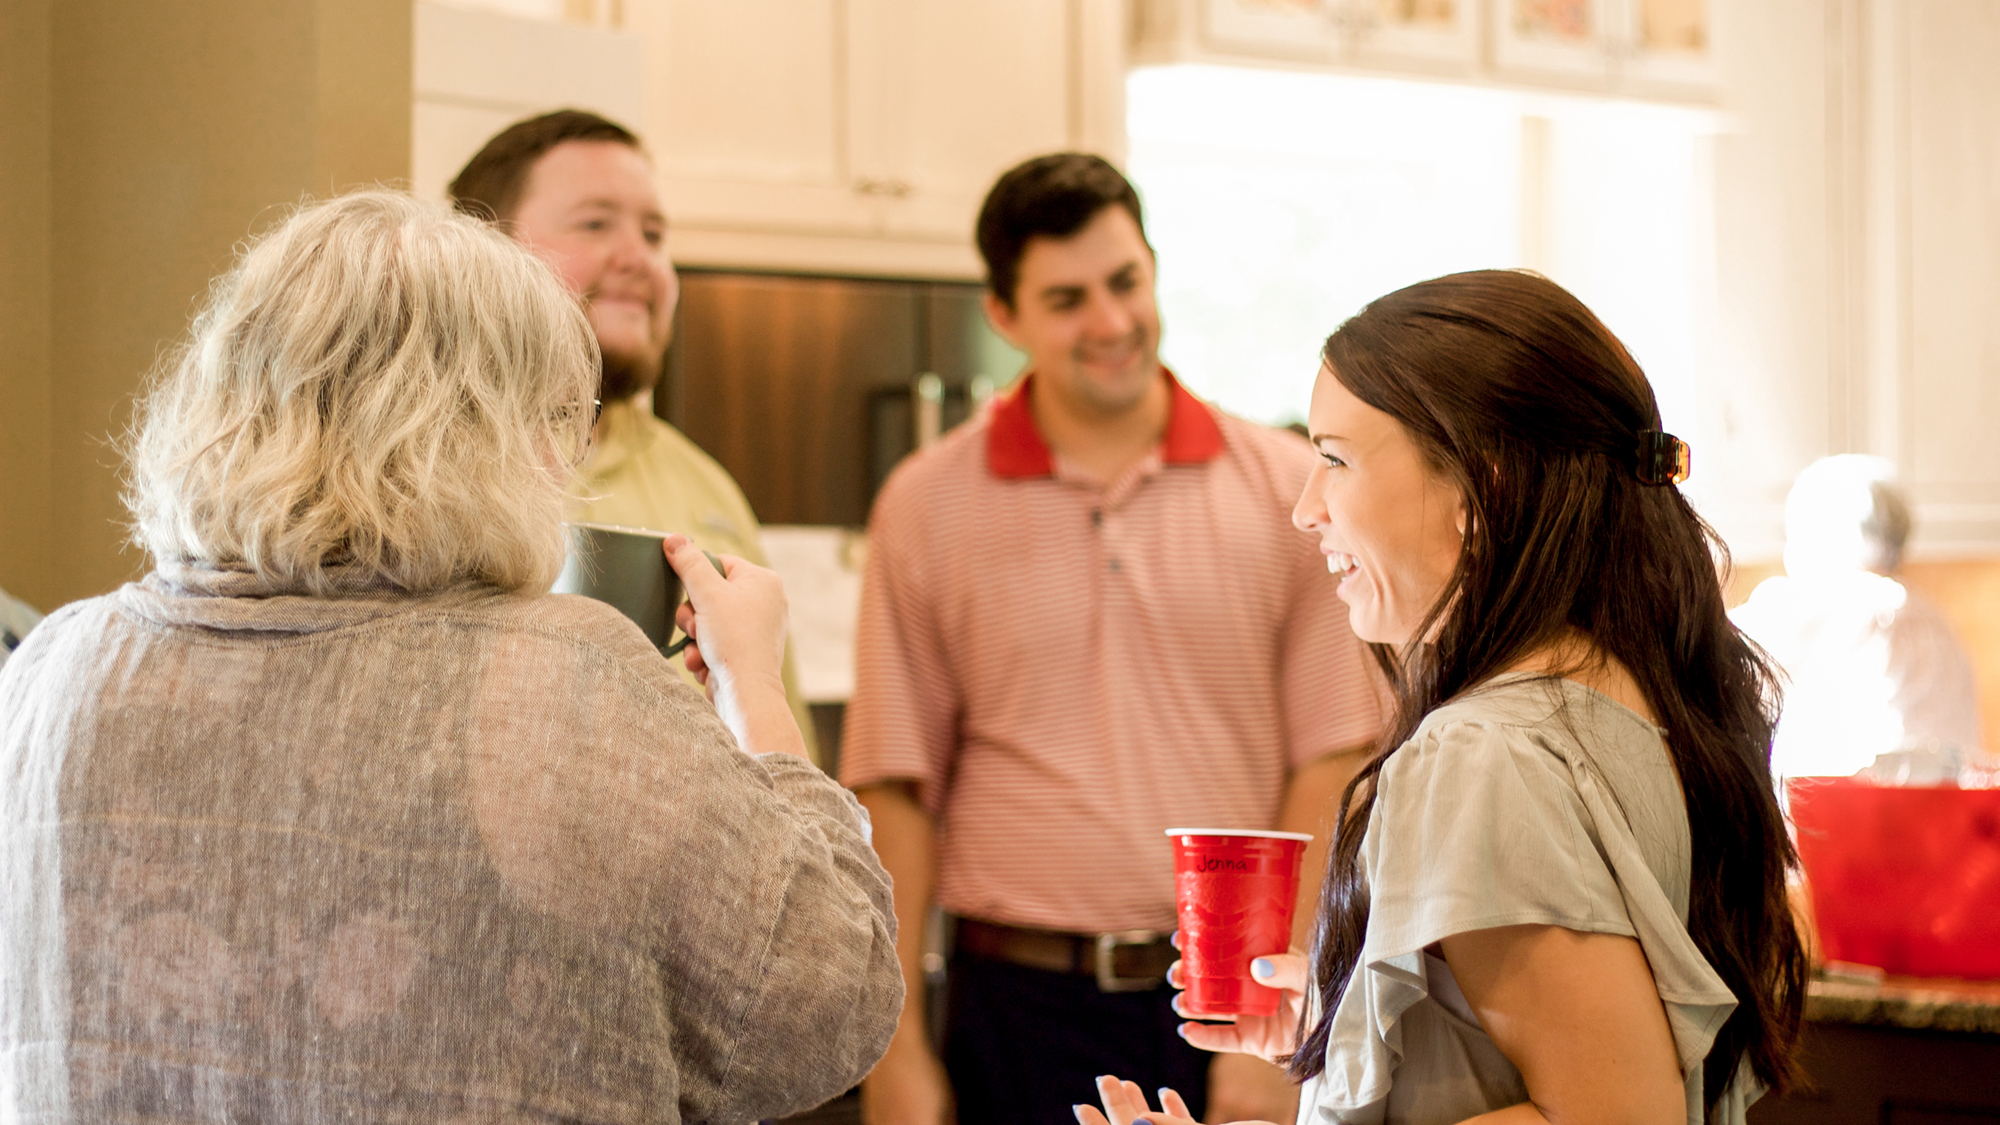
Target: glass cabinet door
x=1635 y=46
x=1570 y=39
x=1285 y=29
x=1437 y=36
x=1668 y=44
x=1440 y=35
x=1650 y=48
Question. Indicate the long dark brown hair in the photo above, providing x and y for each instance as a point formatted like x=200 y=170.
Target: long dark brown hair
x=1515 y=391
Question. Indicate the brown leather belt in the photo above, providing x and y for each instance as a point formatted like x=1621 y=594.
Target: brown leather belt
x=1122 y=961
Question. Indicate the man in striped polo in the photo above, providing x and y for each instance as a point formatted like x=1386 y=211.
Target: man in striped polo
x=1086 y=618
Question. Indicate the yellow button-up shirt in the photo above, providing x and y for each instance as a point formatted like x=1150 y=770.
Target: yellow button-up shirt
x=641 y=472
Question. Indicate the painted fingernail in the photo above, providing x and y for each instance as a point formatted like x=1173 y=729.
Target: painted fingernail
x=1181 y=1031
x=1263 y=969
x=1077 y=1111
x=1162 y=1093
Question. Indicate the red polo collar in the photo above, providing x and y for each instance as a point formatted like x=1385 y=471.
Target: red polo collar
x=1014 y=447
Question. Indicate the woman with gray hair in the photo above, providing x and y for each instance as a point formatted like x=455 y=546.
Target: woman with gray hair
x=1876 y=679
x=336 y=816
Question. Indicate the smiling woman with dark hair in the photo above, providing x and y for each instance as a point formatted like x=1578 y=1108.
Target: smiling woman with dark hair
x=1557 y=892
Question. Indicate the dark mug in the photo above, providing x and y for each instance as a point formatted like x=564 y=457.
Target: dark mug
x=626 y=569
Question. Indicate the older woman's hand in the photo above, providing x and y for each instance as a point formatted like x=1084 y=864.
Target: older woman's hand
x=737 y=622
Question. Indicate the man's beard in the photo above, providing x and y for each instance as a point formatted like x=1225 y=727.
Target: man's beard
x=619 y=377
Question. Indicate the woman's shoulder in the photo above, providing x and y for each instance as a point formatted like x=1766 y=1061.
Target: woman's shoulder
x=581 y=664
x=1531 y=705
x=583 y=620
x=588 y=630
x=1534 y=799
x=1531 y=725
x=564 y=636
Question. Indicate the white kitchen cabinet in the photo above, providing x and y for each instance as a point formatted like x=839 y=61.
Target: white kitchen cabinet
x=1644 y=47
x=945 y=96
x=861 y=135
x=1666 y=46
x=478 y=70
x=1261 y=28
x=1416 y=35
x=1940 y=250
x=1858 y=242
x=746 y=113
x=1428 y=37
x=1647 y=48
x=1569 y=41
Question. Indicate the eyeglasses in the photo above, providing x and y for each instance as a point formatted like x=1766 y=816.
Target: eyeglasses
x=567 y=416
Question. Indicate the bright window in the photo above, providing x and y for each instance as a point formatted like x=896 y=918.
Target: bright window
x=1282 y=202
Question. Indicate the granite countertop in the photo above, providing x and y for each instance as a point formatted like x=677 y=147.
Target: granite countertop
x=1928 y=1004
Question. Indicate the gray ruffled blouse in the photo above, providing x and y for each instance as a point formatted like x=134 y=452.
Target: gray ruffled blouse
x=1530 y=800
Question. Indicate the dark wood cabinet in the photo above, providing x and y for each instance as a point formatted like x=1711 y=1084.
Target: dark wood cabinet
x=1880 y=1075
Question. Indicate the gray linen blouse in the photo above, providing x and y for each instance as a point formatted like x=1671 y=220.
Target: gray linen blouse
x=471 y=858
x=1529 y=800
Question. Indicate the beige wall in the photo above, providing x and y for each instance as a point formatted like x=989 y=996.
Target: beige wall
x=24 y=302
x=168 y=133
x=1968 y=590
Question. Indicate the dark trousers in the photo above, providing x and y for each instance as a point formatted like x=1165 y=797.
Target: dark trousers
x=1024 y=1045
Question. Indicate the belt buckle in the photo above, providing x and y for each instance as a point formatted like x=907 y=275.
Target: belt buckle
x=1107 y=945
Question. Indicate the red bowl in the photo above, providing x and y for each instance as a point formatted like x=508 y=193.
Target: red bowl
x=1907 y=879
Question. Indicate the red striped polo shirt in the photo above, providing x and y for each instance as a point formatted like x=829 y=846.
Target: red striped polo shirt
x=1066 y=668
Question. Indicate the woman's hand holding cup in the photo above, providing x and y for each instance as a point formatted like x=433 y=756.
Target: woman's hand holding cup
x=736 y=620
x=1272 y=1038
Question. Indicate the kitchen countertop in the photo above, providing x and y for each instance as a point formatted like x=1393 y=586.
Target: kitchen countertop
x=1922 y=1003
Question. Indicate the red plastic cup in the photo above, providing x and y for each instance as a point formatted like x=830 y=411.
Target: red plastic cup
x=1234 y=889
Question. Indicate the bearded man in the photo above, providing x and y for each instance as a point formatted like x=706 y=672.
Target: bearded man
x=578 y=190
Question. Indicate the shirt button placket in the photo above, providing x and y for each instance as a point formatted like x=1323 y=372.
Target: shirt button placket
x=1097 y=521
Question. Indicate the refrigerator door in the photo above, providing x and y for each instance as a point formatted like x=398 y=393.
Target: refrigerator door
x=771 y=375
x=802 y=386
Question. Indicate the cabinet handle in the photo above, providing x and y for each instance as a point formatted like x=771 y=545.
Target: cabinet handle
x=927 y=392
x=892 y=188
